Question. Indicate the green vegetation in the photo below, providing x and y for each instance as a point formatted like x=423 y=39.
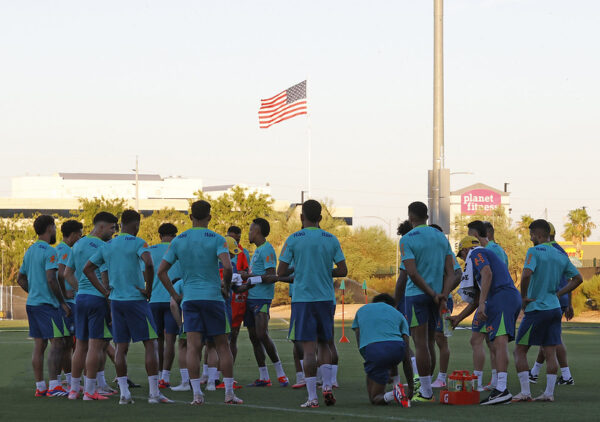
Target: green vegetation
x=587 y=296
x=579 y=228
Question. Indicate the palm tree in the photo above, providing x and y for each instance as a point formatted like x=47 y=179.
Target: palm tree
x=579 y=228
x=523 y=226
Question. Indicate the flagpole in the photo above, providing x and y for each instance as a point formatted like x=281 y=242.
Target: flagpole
x=308 y=128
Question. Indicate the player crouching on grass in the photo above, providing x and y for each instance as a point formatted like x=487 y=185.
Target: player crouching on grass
x=498 y=304
x=540 y=281
x=382 y=337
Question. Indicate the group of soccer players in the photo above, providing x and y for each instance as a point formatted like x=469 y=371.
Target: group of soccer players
x=102 y=287
x=199 y=286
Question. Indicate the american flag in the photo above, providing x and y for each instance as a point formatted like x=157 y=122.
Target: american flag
x=283 y=106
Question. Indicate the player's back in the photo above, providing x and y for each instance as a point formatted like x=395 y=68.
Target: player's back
x=564 y=299
x=159 y=293
x=379 y=322
x=501 y=279
x=497 y=249
x=122 y=256
x=428 y=247
x=314 y=253
x=81 y=252
x=38 y=258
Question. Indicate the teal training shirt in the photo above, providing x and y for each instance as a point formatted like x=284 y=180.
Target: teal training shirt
x=122 y=256
x=314 y=252
x=497 y=249
x=159 y=293
x=379 y=322
x=63 y=251
x=39 y=258
x=197 y=250
x=549 y=266
x=429 y=248
x=264 y=257
x=81 y=253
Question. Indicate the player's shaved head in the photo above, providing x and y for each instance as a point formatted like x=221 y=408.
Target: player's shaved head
x=417 y=213
x=311 y=210
x=200 y=210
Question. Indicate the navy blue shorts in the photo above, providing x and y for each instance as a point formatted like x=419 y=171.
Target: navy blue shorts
x=311 y=321
x=401 y=307
x=540 y=328
x=254 y=307
x=439 y=327
x=421 y=309
x=92 y=317
x=132 y=321
x=207 y=317
x=477 y=324
x=380 y=357
x=45 y=321
x=228 y=310
x=163 y=318
x=502 y=312
x=69 y=320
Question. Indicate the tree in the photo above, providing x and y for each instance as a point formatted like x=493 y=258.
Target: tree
x=88 y=208
x=149 y=225
x=579 y=228
x=523 y=226
x=17 y=235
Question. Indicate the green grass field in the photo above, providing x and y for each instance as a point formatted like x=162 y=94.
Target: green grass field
x=579 y=402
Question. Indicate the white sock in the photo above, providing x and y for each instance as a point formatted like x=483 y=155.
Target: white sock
x=326 y=372
x=185 y=375
x=302 y=364
x=204 y=372
x=334 y=371
x=494 y=380
x=166 y=376
x=537 y=367
x=196 y=386
x=413 y=361
x=426 y=390
x=550 y=383
x=388 y=397
x=100 y=379
x=565 y=373
x=153 y=385
x=53 y=384
x=479 y=375
x=40 y=385
x=68 y=377
x=90 y=386
x=396 y=380
x=263 y=373
x=75 y=384
x=279 y=369
x=311 y=387
x=441 y=376
x=228 y=386
x=123 y=386
x=299 y=377
x=524 y=381
x=502 y=379
x=212 y=374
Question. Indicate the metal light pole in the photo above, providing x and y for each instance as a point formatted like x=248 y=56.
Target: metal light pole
x=137 y=185
x=438 y=108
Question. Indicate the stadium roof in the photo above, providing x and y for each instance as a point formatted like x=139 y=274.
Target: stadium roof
x=109 y=176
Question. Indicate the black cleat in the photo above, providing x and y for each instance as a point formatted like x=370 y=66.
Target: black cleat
x=497 y=397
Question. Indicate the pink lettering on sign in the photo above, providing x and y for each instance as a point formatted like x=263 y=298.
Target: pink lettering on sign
x=479 y=201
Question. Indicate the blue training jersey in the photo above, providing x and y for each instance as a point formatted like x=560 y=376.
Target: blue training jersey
x=379 y=322
x=314 y=252
x=429 y=248
x=39 y=258
x=122 y=256
x=564 y=299
x=81 y=253
x=549 y=266
x=197 y=251
x=159 y=293
x=63 y=251
x=264 y=258
x=501 y=279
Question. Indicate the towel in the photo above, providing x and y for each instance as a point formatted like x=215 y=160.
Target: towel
x=467 y=289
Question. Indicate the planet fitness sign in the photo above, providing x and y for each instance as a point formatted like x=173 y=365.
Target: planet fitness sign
x=479 y=200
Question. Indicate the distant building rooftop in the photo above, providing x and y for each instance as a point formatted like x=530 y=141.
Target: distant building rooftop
x=109 y=176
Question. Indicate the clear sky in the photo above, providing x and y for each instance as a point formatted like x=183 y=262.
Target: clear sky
x=87 y=85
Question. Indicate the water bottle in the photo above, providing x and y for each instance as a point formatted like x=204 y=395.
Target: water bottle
x=446 y=324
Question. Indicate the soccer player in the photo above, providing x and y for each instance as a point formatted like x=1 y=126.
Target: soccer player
x=92 y=319
x=481 y=230
x=313 y=251
x=566 y=308
x=498 y=302
x=129 y=292
x=429 y=263
x=238 y=299
x=259 y=300
x=72 y=232
x=166 y=327
x=542 y=273
x=198 y=251
x=382 y=335
x=37 y=276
